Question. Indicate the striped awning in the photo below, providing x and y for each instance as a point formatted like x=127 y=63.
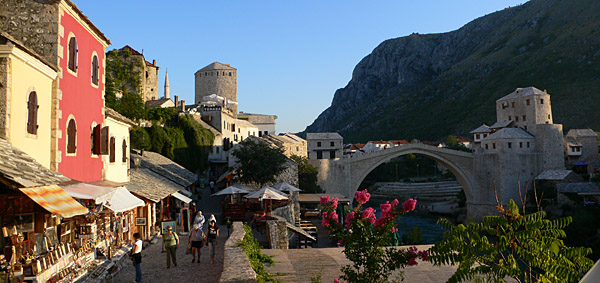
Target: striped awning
x=55 y=200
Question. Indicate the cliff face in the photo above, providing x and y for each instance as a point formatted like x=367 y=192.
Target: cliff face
x=433 y=85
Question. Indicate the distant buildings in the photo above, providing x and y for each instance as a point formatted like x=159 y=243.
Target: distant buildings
x=290 y=143
x=148 y=72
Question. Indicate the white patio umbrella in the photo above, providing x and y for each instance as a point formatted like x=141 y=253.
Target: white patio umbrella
x=285 y=187
x=231 y=190
x=269 y=193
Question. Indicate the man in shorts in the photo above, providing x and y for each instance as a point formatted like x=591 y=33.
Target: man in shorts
x=197 y=239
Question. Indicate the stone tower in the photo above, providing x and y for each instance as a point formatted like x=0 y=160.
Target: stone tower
x=219 y=79
x=167 y=89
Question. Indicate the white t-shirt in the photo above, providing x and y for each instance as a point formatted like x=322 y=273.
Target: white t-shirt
x=137 y=246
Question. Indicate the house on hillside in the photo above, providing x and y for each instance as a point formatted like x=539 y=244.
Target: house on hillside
x=373 y=146
x=148 y=72
x=162 y=103
x=290 y=143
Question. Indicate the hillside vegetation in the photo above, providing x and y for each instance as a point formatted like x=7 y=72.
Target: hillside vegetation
x=434 y=85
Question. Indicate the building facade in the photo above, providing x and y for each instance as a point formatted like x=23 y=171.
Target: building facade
x=324 y=145
x=64 y=36
x=26 y=104
x=264 y=122
x=116 y=162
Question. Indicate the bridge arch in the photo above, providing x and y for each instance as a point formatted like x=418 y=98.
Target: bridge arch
x=463 y=175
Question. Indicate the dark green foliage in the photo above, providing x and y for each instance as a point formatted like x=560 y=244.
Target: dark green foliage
x=131 y=106
x=307 y=175
x=584 y=230
x=250 y=245
x=452 y=143
x=527 y=248
x=259 y=162
x=140 y=139
x=123 y=74
x=194 y=133
x=160 y=141
x=163 y=115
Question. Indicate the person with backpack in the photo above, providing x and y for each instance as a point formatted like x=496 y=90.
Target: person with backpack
x=171 y=242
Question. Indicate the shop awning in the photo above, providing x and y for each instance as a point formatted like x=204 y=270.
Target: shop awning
x=55 y=200
x=182 y=197
x=99 y=194
x=122 y=200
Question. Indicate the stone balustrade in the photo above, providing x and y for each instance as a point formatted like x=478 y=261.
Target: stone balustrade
x=236 y=266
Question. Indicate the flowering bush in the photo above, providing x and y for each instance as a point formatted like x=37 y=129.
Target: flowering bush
x=366 y=238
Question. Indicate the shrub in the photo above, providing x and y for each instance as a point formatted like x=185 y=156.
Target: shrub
x=250 y=245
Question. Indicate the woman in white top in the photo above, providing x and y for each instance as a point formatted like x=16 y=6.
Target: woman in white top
x=136 y=256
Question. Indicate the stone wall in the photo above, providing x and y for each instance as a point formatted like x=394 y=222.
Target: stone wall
x=4 y=99
x=236 y=266
x=285 y=212
x=150 y=82
x=35 y=23
x=277 y=233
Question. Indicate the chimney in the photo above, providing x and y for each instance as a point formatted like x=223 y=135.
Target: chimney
x=176 y=101
x=182 y=105
x=154 y=62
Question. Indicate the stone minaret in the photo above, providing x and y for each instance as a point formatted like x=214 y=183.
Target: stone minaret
x=167 y=90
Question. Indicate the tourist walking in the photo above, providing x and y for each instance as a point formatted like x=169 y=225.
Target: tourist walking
x=196 y=238
x=212 y=237
x=199 y=220
x=212 y=187
x=136 y=256
x=171 y=242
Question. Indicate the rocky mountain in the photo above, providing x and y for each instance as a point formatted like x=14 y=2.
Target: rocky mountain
x=428 y=86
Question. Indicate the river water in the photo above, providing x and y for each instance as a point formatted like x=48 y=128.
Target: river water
x=432 y=233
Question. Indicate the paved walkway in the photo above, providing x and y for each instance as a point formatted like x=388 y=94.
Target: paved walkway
x=300 y=265
x=154 y=262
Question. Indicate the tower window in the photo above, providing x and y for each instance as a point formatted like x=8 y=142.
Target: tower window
x=528 y=102
x=510 y=145
x=548 y=116
x=512 y=104
x=331 y=143
x=206 y=74
x=524 y=118
x=527 y=144
x=230 y=74
x=32 y=110
x=318 y=144
x=520 y=144
x=494 y=145
x=542 y=101
x=516 y=118
x=486 y=146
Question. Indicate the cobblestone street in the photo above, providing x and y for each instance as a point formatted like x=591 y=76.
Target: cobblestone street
x=154 y=262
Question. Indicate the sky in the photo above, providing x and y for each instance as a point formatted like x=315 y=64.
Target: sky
x=291 y=56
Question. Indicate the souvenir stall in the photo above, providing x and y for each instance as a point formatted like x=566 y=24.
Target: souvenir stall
x=37 y=244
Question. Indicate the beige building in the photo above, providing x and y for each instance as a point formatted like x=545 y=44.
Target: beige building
x=26 y=89
x=324 y=145
x=116 y=162
x=219 y=79
x=290 y=143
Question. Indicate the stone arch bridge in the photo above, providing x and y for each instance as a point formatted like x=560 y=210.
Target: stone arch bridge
x=345 y=175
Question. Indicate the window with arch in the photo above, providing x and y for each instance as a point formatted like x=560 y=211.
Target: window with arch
x=112 y=150
x=32 y=110
x=95 y=70
x=71 y=136
x=124 y=159
x=72 y=59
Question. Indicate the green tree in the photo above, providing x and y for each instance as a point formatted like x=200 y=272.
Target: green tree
x=131 y=106
x=259 y=162
x=527 y=248
x=307 y=175
x=162 y=115
x=140 y=139
x=160 y=141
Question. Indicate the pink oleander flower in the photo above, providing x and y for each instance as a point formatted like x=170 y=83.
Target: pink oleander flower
x=325 y=219
x=380 y=222
x=337 y=281
x=386 y=210
x=334 y=203
x=349 y=218
x=334 y=217
x=324 y=199
x=409 y=205
x=395 y=203
x=362 y=196
x=412 y=261
x=369 y=214
x=423 y=255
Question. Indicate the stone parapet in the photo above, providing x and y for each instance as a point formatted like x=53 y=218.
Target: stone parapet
x=236 y=265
